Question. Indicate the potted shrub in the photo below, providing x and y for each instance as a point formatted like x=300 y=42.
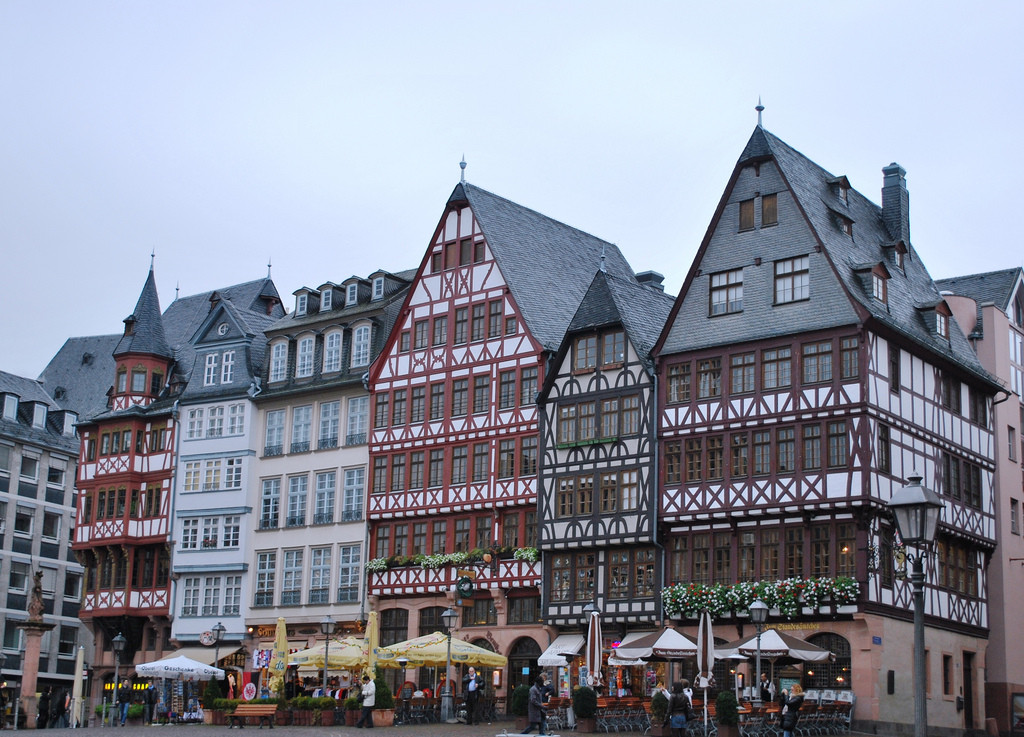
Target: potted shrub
x=659 y=713
x=520 y=706
x=210 y=696
x=351 y=711
x=726 y=714
x=323 y=711
x=584 y=706
x=383 y=703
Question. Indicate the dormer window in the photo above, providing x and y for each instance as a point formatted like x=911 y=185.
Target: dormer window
x=122 y=381
x=227 y=371
x=378 y=287
x=39 y=415
x=844 y=224
x=878 y=287
x=1018 y=312
x=10 y=407
x=300 y=304
x=941 y=325
x=210 y=374
x=326 y=298
x=352 y=295
x=278 y=361
x=138 y=381
x=841 y=188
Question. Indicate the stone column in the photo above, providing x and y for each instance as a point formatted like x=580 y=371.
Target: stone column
x=30 y=668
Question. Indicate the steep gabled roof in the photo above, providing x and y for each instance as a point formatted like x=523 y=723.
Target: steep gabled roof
x=144 y=328
x=997 y=287
x=22 y=429
x=547 y=265
x=81 y=372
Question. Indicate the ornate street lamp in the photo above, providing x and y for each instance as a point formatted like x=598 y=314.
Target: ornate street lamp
x=327 y=626
x=118 y=642
x=449 y=616
x=758 y=615
x=218 y=634
x=917 y=511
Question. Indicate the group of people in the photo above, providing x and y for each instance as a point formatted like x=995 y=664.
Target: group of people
x=790 y=700
x=53 y=708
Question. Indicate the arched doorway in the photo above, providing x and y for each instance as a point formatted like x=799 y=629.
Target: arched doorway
x=522 y=662
x=834 y=674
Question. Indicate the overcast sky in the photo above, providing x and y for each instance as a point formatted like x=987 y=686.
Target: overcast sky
x=326 y=136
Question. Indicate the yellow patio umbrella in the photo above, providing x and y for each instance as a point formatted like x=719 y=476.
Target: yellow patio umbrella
x=432 y=650
x=279 y=661
x=345 y=652
x=372 y=639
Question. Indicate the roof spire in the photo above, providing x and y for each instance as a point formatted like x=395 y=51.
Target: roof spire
x=177 y=290
x=269 y=259
x=462 y=165
x=152 y=258
x=759 y=109
x=602 y=266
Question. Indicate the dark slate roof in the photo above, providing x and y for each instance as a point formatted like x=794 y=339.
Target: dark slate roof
x=547 y=265
x=909 y=290
x=996 y=287
x=81 y=372
x=147 y=333
x=640 y=309
x=28 y=390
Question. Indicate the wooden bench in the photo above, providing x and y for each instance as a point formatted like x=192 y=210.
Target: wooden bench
x=262 y=711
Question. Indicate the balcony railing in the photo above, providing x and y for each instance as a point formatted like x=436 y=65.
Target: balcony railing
x=190 y=611
x=270 y=451
x=323 y=518
x=268 y=523
x=293 y=596
x=211 y=487
x=230 y=609
x=264 y=598
x=328 y=442
x=296 y=521
x=356 y=438
x=301 y=447
x=319 y=596
x=211 y=611
x=351 y=515
x=348 y=593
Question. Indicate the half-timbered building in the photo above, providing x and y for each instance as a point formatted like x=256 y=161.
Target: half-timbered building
x=808 y=369
x=454 y=449
x=307 y=546
x=127 y=469
x=989 y=308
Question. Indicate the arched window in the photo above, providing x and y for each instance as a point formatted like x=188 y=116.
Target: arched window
x=834 y=674
x=523 y=658
x=361 y=345
x=279 y=361
x=304 y=357
x=332 y=352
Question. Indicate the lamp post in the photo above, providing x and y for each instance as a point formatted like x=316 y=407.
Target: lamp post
x=448 y=616
x=327 y=626
x=118 y=642
x=917 y=511
x=758 y=615
x=218 y=634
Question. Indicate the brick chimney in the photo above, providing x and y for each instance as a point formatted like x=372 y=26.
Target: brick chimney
x=896 y=202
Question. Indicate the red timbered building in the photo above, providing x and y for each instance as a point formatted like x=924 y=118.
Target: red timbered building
x=808 y=369
x=454 y=447
x=598 y=491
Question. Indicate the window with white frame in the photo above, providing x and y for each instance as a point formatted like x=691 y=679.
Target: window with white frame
x=302 y=422
x=330 y=418
x=232 y=531
x=304 y=357
x=358 y=416
x=349 y=573
x=194 y=428
x=279 y=361
x=68 y=642
x=266 y=574
x=211 y=531
x=24 y=518
x=215 y=424
x=323 y=508
x=332 y=352
x=190 y=534
x=51 y=525
x=326 y=297
x=19 y=576
x=320 y=576
x=291 y=578
x=274 y=444
x=210 y=374
x=72 y=586
x=378 y=287
x=211 y=596
x=361 y=345
x=236 y=418
x=39 y=415
x=58 y=470
x=351 y=294
x=233 y=473
x=301 y=300
x=232 y=595
x=352 y=503
x=298 y=491
x=191 y=478
x=227 y=369
x=211 y=476
x=190 y=597
x=727 y=292
x=270 y=503
x=29 y=467
x=792 y=280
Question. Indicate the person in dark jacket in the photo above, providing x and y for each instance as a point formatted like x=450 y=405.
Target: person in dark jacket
x=535 y=706
x=59 y=709
x=791 y=709
x=678 y=711
x=473 y=683
x=43 y=709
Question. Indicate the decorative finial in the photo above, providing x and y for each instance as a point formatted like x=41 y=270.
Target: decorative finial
x=462 y=165
x=152 y=258
x=759 y=109
x=602 y=267
x=269 y=259
x=177 y=290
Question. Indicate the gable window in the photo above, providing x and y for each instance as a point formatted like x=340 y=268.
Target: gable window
x=941 y=325
x=304 y=358
x=709 y=378
x=332 y=352
x=878 y=287
x=769 y=210
x=747 y=214
x=951 y=394
x=586 y=353
x=844 y=224
x=817 y=362
x=792 y=280
x=849 y=358
x=727 y=292
x=378 y=287
x=479 y=324
x=440 y=330
x=352 y=294
x=210 y=375
x=894 y=369
x=361 y=346
x=613 y=347
x=679 y=383
x=278 y=361
x=420 y=333
x=494 y=319
x=978 y=410
x=227 y=370
x=742 y=371
x=460 y=397
x=300 y=304
x=326 y=297
x=461 y=323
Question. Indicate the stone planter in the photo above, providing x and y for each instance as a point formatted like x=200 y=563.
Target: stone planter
x=522 y=723
x=351 y=717
x=383 y=717
x=587 y=725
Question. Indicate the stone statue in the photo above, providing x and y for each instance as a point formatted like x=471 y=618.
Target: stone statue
x=35 y=602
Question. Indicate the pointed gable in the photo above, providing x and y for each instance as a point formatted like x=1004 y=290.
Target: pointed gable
x=144 y=328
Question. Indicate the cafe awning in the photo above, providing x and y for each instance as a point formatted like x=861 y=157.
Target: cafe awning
x=204 y=655
x=560 y=647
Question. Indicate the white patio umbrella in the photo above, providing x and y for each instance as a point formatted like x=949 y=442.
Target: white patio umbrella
x=185 y=668
x=594 y=648
x=775 y=646
x=705 y=659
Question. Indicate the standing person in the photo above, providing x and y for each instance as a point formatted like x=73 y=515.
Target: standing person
x=474 y=684
x=767 y=689
x=791 y=709
x=367 y=695
x=124 y=700
x=678 y=709
x=57 y=709
x=43 y=709
x=150 y=697
x=535 y=707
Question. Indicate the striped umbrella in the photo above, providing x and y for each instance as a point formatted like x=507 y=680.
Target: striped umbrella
x=594 y=649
